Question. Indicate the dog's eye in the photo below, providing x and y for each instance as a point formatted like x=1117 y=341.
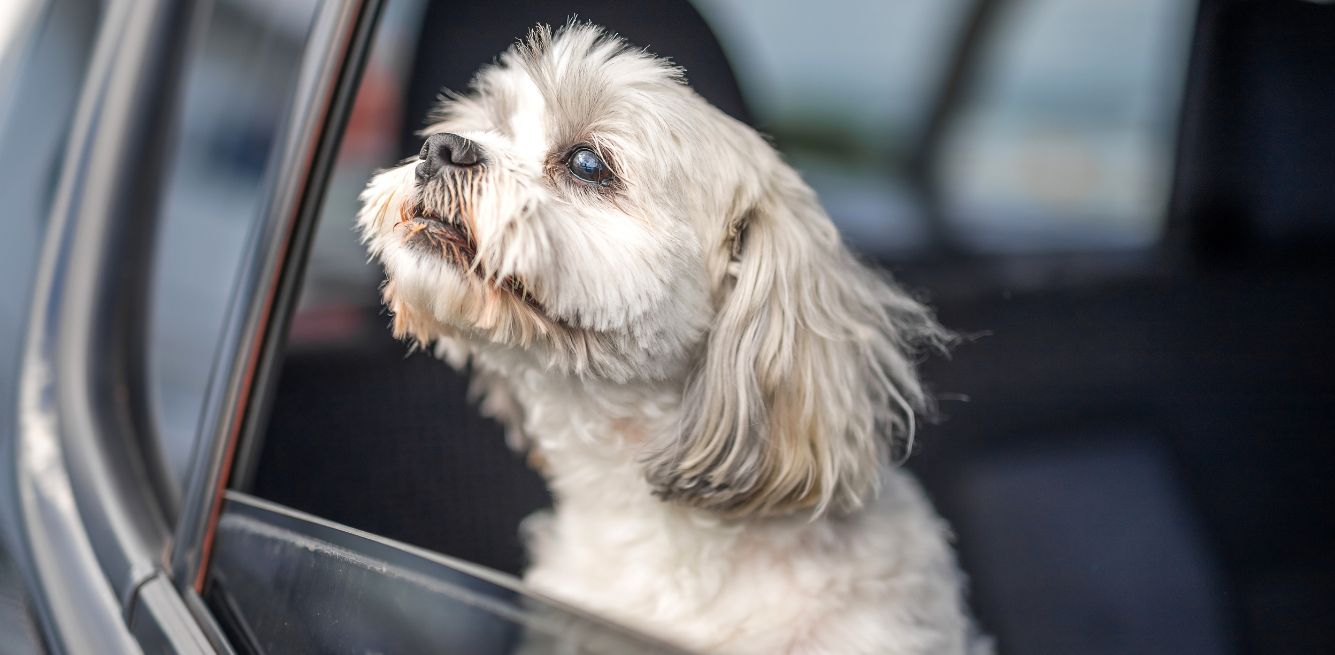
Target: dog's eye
x=586 y=165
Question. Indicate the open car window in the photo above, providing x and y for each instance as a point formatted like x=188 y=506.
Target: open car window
x=361 y=430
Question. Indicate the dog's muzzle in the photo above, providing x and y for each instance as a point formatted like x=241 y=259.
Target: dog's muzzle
x=446 y=150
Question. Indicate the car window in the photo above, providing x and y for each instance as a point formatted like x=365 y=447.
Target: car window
x=238 y=88
x=1065 y=140
x=371 y=463
x=845 y=92
x=1060 y=139
x=364 y=431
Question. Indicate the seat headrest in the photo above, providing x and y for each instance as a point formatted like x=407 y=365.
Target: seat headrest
x=1256 y=156
x=459 y=37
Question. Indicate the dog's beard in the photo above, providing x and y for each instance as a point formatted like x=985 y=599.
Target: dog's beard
x=439 y=235
x=442 y=282
x=440 y=219
x=460 y=256
x=478 y=264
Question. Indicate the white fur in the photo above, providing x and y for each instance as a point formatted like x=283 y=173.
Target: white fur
x=711 y=383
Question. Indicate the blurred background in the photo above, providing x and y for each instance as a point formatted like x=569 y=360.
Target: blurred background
x=1125 y=205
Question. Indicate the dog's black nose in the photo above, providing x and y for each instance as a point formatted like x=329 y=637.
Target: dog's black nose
x=445 y=149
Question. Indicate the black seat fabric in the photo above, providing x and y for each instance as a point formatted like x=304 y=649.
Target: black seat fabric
x=1255 y=201
x=1167 y=434
x=1255 y=168
x=387 y=442
x=458 y=37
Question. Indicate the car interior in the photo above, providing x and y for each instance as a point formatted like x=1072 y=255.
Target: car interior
x=1132 y=445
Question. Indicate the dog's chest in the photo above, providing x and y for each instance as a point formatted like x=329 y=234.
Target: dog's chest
x=689 y=584
x=824 y=586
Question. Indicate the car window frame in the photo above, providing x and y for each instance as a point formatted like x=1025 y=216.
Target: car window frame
x=271 y=273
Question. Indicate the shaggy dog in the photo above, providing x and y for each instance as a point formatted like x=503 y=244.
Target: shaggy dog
x=662 y=315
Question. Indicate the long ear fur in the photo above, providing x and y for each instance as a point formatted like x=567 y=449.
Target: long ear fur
x=807 y=377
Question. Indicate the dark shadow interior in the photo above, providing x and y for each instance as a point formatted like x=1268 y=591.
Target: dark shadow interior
x=1141 y=463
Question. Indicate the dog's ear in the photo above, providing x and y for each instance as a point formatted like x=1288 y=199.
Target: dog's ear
x=807 y=378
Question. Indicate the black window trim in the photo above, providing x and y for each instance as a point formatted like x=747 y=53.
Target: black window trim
x=276 y=252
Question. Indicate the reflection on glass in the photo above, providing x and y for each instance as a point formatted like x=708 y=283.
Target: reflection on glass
x=287 y=582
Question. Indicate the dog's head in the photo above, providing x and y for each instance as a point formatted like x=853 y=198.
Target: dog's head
x=583 y=211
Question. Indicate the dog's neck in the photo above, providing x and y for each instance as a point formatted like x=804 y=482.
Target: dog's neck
x=585 y=436
x=588 y=439
x=592 y=434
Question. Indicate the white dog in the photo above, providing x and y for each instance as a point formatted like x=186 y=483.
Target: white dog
x=659 y=310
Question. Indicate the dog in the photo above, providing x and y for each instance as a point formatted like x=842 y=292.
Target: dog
x=661 y=314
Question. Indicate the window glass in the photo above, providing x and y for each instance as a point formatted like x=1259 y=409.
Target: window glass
x=1065 y=142
x=238 y=88
x=844 y=91
x=286 y=582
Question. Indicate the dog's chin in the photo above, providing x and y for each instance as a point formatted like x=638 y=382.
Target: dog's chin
x=434 y=236
x=437 y=240
x=436 y=288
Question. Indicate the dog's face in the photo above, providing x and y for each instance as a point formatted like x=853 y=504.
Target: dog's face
x=584 y=212
x=563 y=207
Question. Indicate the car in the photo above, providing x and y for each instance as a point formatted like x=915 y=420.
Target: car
x=210 y=442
